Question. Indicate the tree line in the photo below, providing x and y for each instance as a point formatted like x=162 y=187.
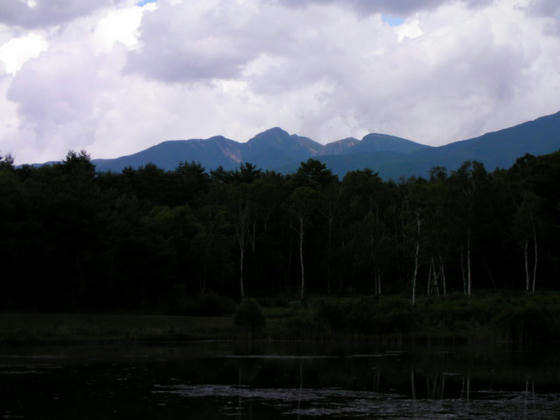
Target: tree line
x=144 y=239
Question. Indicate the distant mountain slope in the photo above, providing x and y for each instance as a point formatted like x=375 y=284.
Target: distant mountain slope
x=275 y=147
x=339 y=146
x=210 y=153
x=375 y=142
x=271 y=149
x=342 y=163
x=391 y=156
x=499 y=149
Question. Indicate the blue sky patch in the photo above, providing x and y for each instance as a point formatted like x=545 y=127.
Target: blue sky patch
x=392 y=20
x=145 y=2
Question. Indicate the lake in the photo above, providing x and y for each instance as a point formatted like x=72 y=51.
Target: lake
x=248 y=380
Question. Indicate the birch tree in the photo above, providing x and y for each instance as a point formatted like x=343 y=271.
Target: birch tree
x=241 y=213
x=364 y=194
x=526 y=232
x=241 y=203
x=416 y=257
x=302 y=203
x=329 y=209
x=413 y=215
x=437 y=229
x=467 y=182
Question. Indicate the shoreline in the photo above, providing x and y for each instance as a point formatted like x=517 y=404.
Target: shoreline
x=514 y=320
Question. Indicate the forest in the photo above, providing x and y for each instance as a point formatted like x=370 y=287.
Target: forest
x=146 y=240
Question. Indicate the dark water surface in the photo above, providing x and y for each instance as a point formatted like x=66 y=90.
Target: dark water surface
x=277 y=381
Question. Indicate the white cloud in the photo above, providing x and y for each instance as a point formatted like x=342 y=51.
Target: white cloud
x=409 y=29
x=120 y=25
x=44 y=13
x=114 y=80
x=395 y=7
x=17 y=51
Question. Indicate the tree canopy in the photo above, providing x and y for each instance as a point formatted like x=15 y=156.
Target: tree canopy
x=143 y=239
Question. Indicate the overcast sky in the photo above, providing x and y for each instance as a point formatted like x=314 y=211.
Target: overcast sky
x=116 y=76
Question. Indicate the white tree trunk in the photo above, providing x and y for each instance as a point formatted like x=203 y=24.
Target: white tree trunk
x=412 y=384
x=463 y=273
x=254 y=237
x=241 y=232
x=417 y=254
x=435 y=276
x=301 y=257
x=469 y=277
x=443 y=282
x=329 y=271
x=434 y=279
x=373 y=269
x=526 y=255
x=376 y=282
x=430 y=281
x=241 y=258
x=536 y=259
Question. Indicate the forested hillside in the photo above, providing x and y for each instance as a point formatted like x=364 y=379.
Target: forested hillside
x=145 y=239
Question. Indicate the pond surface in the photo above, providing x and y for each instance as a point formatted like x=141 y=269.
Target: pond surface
x=277 y=381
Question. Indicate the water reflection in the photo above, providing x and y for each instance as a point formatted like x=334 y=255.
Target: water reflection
x=428 y=397
x=221 y=380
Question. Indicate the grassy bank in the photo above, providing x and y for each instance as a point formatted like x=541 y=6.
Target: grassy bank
x=516 y=319
x=519 y=320
x=47 y=327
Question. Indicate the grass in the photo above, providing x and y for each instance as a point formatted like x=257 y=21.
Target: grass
x=47 y=327
x=517 y=319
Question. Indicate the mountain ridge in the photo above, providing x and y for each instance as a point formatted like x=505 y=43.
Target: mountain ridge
x=271 y=149
x=390 y=156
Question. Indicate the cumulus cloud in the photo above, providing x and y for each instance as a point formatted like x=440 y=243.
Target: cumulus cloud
x=216 y=39
x=17 y=51
x=209 y=39
x=185 y=69
x=400 y=8
x=57 y=97
x=544 y=7
x=42 y=13
x=549 y=10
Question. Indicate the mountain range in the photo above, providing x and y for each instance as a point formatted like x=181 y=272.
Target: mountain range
x=390 y=156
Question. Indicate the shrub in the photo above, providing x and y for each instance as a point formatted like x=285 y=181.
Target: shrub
x=396 y=315
x=249 y=315
x=206 y=305
x=367 y=316
x=527 y=325
x=302 y=327
x=332 y=316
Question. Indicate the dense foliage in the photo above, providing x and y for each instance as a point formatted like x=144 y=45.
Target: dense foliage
x=149 y=239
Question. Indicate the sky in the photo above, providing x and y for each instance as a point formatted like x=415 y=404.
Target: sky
x=113 y=77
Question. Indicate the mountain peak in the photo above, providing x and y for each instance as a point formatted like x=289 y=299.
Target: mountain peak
x=345 y=140
x=391 y=156
x=340 y=146
x=218 y=138
x=380 y=137
x=278 y=130
x=376 y=142
x=271 y=133
x=268 y=148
